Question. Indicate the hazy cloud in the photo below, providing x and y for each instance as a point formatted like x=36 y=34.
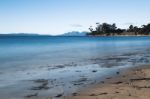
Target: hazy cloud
x=129 y=23
x=76 y=25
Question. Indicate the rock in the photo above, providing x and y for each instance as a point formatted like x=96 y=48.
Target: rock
x=94 y=71
x=118 y=73
x=74 y=94
x=32 y=95
x=43 y=84
x=59 y=95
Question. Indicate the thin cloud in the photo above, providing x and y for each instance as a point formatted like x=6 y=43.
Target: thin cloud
x=129 y=23
x=76 y=25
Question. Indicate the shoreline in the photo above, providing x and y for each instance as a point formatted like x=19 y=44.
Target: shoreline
x=132 y=83
x=118 y=36
x=125 y=83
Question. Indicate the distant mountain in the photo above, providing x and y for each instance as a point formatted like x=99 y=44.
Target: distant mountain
x=74 y=33
x=22 y=34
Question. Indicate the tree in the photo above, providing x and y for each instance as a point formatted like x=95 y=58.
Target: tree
x=104 y=29
x=91 y=28
x=114 y=26
x=145 y=29
x=136 y=29
x=131 y=27
x=111 y=29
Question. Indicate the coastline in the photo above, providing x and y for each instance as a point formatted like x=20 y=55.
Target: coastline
x=118 y=35
x=133 y=83
x=127 y=83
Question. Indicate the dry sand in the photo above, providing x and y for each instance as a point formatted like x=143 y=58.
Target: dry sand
x=129 y=84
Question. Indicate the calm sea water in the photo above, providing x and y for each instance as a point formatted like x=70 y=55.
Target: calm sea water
x=42 y=50
x=67 y=58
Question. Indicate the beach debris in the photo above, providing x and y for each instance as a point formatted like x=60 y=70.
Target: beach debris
x=40 y=80
x=119 y=82
x=108 y=77
x=74 y=94
x=140 y=87
x=129 y=94
x=40 y=87
x=92 y=94
x=103 y=93
x=43 y=84
x=60 y=66
x=94 y=71
x=118 y=73
x=139 y=79
x=78 y=71
x=32 y=95
x=79 y=81
x=59 y=95
x=117 y=92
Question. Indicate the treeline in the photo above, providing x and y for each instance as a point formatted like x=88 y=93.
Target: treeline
x=106 y=29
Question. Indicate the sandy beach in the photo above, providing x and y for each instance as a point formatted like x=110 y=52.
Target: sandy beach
x=74 y=49
x=133 y=83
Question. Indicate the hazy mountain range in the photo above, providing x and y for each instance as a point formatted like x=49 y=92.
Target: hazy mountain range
x=73 y=33
x=20 y=34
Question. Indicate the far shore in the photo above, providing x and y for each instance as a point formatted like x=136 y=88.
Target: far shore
x=117 y=35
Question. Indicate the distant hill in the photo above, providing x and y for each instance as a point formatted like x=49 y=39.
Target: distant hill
x=22 y=34
x=74 y=33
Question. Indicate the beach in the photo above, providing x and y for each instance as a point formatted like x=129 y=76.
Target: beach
x=133 y=83
x=74 y=49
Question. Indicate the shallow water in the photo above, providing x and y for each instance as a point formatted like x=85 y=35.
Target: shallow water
x=69 y=62
x=31 y=51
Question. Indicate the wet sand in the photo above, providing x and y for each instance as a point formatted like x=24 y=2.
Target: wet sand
x=129 y=83
x=133 y=83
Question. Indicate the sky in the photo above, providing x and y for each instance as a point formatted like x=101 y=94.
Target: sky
x=60 y=16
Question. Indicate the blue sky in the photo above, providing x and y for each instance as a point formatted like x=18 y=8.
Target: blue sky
x=59 y=16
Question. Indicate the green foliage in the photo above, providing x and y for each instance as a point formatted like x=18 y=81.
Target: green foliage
x=106 y=29
x=145 y=29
